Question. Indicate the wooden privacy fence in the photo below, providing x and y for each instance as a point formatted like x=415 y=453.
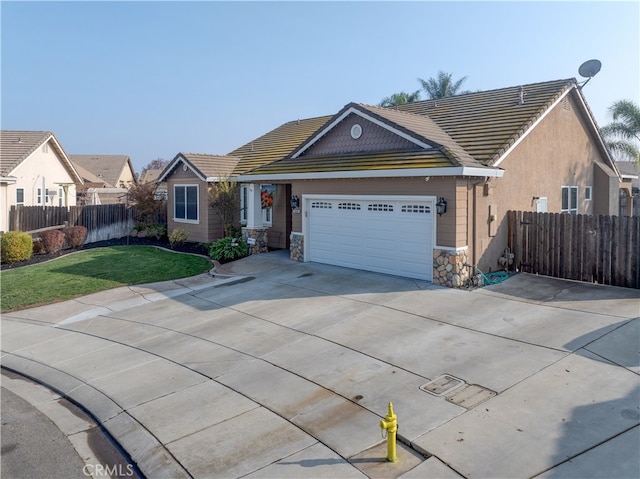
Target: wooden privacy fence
x=592 y=248
x=103 y=222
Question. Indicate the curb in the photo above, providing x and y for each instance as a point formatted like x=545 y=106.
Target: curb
x=137 y=443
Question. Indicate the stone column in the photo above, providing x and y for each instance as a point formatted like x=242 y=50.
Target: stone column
x=296 y=247
x=256 y=238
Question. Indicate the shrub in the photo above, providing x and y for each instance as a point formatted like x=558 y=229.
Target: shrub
x=228 y=248
x=15 y=246
x=75 y=236
x=38 y=247
x=52 y=240
x=156 y=229
x=178 y=236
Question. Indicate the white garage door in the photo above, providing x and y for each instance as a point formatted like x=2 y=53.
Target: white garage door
x=385 y=234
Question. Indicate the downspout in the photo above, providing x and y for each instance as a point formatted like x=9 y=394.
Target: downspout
x=474 y=223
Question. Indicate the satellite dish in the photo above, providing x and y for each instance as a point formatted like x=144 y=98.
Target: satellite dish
x=589 y=68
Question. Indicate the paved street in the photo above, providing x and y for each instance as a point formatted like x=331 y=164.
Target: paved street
x=283 y=369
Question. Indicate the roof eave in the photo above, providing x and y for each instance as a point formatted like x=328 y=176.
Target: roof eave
x=179 y=158
x=463 y=171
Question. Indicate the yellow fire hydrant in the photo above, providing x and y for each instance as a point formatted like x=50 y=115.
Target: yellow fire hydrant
x=390 y=424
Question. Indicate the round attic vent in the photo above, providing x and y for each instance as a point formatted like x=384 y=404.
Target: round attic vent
x=184 y=167
x=356 y=131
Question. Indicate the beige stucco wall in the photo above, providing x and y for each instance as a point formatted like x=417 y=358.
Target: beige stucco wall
x=538 y=167
x=42 y=167
x=126 y=179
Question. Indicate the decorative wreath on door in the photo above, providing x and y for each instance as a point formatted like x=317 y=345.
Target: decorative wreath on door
x=266 y=199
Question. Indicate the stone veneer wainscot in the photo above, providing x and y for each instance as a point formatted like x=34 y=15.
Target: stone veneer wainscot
x=449 y=267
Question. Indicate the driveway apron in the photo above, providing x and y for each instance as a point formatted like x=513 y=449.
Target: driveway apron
x=280 y=368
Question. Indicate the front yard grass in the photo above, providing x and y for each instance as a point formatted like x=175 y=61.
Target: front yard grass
x=91 y=271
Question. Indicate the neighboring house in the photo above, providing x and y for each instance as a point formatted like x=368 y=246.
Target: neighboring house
x=189 y=177
x=422 y=189
x=107 y=178
x=629 y=188
x=34 y=171
x=151 y=176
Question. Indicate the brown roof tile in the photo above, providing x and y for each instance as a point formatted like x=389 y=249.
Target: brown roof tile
x=211 y=166
x=276 y=144
x=18 y=145
x=473 y=129
x=487 y=123
x=107 y=168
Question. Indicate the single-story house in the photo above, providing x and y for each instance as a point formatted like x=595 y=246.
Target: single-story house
x=34 y=171
x=422 y=189
x=107 y=178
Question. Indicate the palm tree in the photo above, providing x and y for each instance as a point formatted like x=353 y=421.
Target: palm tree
x=622 y=136
x=400 y=98
x=442 y=86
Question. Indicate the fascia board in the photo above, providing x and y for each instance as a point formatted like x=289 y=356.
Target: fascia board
x=180 y=159
x=366 y=117
x=8 y=179
x=530 y=129
x=596 y=130
x=397 y=173
x=66 y=158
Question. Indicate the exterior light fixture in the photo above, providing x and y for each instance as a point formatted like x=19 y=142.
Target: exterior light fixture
x=441 y=206
x=295 y=202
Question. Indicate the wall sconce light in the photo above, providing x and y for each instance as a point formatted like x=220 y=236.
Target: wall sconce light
x=295 y=202
x=441 y=206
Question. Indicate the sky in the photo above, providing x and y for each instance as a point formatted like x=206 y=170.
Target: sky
x=152 y=79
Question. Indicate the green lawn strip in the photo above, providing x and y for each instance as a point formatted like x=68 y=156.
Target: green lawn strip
x=91 y=271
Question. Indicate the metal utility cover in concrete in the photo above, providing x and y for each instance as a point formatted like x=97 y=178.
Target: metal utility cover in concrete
x=442 y=385
x=471 y=395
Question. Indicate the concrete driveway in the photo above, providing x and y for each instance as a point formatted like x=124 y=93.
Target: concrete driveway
x=283 y=369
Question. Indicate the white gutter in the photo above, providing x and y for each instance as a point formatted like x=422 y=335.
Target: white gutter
x=397 y=173
x=8 y=179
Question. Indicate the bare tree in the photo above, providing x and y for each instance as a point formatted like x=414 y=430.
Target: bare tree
x=224 y=198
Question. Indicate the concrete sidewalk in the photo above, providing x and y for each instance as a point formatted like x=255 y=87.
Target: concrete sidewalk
x=282 y=369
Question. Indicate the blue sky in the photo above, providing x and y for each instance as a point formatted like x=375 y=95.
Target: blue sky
x=151 y=79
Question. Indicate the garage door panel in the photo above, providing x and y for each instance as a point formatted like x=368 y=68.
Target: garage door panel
x=386 y=235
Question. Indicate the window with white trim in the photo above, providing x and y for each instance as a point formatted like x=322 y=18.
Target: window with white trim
x=39 y=196
x=267 y=193
x=19 y=196
x=570 y=200
x=186 y=203
x=587 y=193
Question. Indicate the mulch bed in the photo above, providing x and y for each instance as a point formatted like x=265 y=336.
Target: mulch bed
x=196 y=248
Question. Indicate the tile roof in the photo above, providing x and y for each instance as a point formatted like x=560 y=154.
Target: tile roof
x=211 y=166
x=17 y=145
x=108 y=168
x=473 y=129
x=277 y=144
x=487 y=123
x=150 y=175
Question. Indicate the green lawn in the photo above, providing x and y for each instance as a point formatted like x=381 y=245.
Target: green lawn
x=92 y=271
